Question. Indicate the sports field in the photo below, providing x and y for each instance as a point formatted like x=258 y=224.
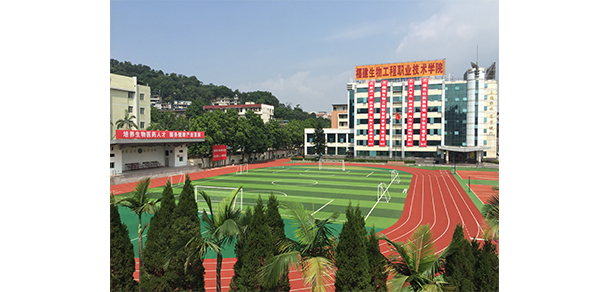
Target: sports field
x=322 y=191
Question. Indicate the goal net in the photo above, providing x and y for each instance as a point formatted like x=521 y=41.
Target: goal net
x=335 y=164
x=217 y=194
x=242 y=168
x=383 y=190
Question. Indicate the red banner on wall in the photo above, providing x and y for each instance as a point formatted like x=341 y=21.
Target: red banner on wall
x=371 y=120
x=144 y=134
x=410 y=105
x=219 y=152
x=423 y=132
x=383 y=112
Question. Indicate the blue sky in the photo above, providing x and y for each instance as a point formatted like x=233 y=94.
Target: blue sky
x=304 y=52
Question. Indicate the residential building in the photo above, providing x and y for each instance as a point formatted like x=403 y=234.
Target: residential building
x=265 y=111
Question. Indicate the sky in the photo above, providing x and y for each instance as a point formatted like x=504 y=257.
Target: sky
x=303 y=52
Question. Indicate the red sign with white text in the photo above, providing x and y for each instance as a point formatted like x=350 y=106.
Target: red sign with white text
x=383 y=111
x=423 y=132
x=219 y=152
x=410 y=103
x=371 y=120
x=145 y=134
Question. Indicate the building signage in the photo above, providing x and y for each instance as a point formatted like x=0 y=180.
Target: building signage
x=410 y=105
x=383 y=111
x=423 y=132
x=219 y=152
x=401 y=70
x=371 y=111
x=144 y=134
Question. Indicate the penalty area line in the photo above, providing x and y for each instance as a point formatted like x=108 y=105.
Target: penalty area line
x=322 y=207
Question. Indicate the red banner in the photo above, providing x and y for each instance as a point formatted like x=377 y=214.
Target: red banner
x=410 y=102
x=144 y=134
x=383 y=112
x=371 y=120
x=219 y=152
x=423 y=132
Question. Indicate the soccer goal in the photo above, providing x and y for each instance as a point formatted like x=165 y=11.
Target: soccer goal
x=177 y=181
x=335 y=164
x=217 y=194
x=242 y=168
x=383 y=190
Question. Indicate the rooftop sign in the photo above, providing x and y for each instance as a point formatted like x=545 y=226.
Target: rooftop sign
x=400 y=70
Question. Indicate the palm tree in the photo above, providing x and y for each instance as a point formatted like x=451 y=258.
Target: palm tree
x=221 y=229
x=126 y=122
x=415 y=263
x=140 y=202
x=312 y=252
x=491 y=212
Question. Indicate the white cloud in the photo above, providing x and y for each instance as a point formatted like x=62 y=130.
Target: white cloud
x=453 y=33
x=312 y=92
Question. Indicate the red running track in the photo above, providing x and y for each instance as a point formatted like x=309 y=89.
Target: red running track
x=434 y=197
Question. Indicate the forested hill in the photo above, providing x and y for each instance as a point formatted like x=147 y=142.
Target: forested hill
x=173 y=86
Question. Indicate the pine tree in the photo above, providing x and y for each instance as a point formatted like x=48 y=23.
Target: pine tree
x=276 y=225
x=460 y=266
x=377 y=263
x=352 y=262
x=240 y=245
x=257 y=249
x=158 y=241
x=186 y=226
x=122 y=263
x=487 y=277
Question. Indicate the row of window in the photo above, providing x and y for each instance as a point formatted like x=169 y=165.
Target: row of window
x=415 y=121
x=398 y=88
x=433 y=97
x=431 y=109
x=398 y=143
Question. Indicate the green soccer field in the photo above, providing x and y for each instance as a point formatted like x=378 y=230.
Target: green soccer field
x=322 y=191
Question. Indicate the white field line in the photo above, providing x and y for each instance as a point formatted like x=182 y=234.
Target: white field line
x=369 y=174
x=322 y=207
x=467 y=206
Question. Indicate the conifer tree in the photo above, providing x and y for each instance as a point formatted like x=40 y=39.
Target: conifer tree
x=276 y=225
x=122 y=263
x=352 y=262
x=258 y=248
x=487 y=276
x=187 y=226
x=460 y=266
x=240 y=245
x=158 y=245
x=377 y=263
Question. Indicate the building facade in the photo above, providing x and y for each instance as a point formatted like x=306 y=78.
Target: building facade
x=139 y=149
x=265 y=111
x=423 y=116
x=126 y=94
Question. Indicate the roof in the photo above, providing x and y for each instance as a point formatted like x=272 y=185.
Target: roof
x=464 y=148
x=233 y=106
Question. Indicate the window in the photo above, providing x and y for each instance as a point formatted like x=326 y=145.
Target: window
x=141 y=96
x=130 y=94
x=111 y=164
x=130 y=109
x=141 y=110
x=111 y=154
x=142 y=125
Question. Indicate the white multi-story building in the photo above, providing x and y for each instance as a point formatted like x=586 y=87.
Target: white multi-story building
x=265 y=111
x=459 y=117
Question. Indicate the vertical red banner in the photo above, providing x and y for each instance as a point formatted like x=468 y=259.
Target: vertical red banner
x=383 y=112
x=371 y=120
x=410 y=105
x=423 y=132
